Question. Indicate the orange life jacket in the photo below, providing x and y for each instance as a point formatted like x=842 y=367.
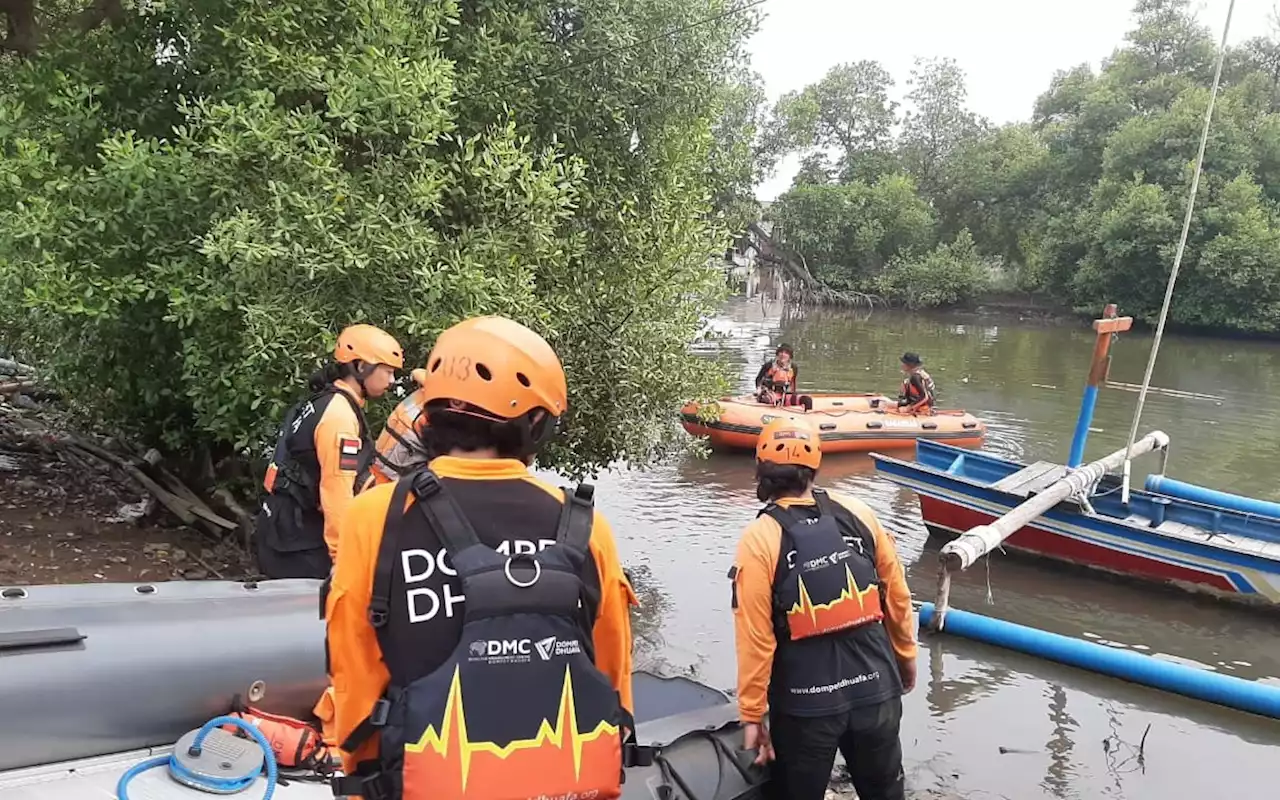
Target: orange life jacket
x=399 y=448
x=779 y=375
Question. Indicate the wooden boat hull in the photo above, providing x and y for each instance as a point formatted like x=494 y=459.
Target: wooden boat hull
x=846 y=423
x=1194 y=547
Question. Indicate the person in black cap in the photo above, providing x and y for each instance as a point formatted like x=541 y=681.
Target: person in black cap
x=918 y=391
x=776 y=380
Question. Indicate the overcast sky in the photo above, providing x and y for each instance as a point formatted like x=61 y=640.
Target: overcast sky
x=1009 y=49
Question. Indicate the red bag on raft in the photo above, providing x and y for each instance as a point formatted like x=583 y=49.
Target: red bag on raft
x=296 y=744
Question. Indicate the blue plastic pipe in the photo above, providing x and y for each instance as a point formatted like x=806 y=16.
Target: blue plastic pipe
x=1083 y=422
x=1212 y=497
x=1214 y=687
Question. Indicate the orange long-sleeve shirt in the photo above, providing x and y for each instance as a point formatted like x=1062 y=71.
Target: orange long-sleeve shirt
x=756 y=563
x=335 y=435
x=357 y=671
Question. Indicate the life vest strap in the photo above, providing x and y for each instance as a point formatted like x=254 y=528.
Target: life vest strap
x=371 y=724
x=368 y=782
x=380 y=596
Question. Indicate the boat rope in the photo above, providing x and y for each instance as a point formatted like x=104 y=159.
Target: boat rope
x=183 y=775
x=1177 y=258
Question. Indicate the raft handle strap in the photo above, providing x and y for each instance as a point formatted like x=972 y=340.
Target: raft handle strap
x=40 y=637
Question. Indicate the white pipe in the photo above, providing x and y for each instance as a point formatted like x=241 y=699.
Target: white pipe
x=977 y=542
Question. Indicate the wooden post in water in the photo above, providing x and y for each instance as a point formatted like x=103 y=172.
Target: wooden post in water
x=1107 y=328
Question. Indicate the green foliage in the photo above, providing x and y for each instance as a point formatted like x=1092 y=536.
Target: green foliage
x=198 y=199
x=849 y=232
x=1085 y=203
x=950 y=274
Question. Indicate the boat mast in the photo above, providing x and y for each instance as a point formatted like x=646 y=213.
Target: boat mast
x=1177 y=259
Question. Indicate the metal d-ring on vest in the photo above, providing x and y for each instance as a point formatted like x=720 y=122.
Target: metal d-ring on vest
x=537 y=570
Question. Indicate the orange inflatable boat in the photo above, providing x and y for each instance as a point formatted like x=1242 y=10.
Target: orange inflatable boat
x=850 y=423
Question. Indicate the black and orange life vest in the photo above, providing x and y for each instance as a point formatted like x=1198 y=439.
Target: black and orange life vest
x=833 y=652
x=290 y=522
x=518 y=709
x=779 y=376
x=911 y=392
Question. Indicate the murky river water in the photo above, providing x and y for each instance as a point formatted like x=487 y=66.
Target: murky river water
x=1073 y=734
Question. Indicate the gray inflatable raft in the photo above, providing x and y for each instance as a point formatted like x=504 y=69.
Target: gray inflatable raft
x=93 y=670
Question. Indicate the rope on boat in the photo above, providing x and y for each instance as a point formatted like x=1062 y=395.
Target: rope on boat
x=1177 y=258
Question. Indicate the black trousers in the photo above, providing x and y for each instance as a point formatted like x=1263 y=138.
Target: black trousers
x=867 y=737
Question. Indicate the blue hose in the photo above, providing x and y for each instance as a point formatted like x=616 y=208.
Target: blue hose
x=1214 y=687
x=219 y=785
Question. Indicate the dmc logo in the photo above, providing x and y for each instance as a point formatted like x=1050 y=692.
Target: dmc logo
x=546 y=647
x=501 y=647
x=826 y=560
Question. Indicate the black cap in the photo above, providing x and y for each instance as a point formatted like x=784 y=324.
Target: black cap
x=784 y=348
x=911 y=359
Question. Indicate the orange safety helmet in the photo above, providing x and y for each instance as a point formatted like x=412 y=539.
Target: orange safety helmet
x=787 y=440
x=371 y=345
x=498 y=366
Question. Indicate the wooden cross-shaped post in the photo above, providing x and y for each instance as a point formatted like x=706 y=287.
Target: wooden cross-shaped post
x=1107 y=327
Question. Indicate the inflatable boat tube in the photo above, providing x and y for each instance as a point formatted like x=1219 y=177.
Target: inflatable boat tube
x=96 y=669
x=698 y=739
x=101 y=669
x=853 y=428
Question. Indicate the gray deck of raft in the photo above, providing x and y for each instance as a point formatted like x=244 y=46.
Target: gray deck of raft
x=673 y=706
x=95 y=779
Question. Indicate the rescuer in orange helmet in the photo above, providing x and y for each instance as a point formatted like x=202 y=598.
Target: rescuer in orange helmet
x=473 y=605
x=824 y=628
x=322 y=448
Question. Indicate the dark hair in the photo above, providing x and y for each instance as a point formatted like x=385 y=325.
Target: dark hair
x=448 y=430
x=784 y=348
x=326 y=375
x=774 y=481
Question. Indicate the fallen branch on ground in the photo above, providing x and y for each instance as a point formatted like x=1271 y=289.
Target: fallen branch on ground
x=190 y=509
x=229 y=502
x=13 y=387
x=30 y=434
x=10 y=367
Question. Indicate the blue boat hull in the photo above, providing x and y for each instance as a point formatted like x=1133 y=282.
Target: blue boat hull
x=1155 y=538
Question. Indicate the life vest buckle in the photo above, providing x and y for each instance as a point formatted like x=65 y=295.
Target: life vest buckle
x=381 y=711
x=379 y=613
x=425 y=484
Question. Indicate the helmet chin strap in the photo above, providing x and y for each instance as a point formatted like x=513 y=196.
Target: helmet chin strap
x=363 y=372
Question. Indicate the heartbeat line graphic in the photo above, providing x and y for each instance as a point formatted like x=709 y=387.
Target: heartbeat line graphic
x=851 y=592
x=452 y=737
